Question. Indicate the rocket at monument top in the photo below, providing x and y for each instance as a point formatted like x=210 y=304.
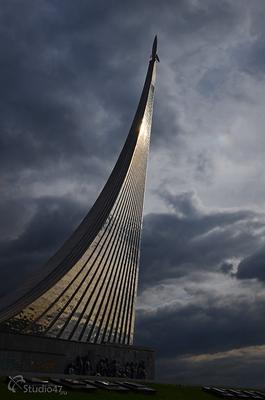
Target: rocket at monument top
x=154 y=56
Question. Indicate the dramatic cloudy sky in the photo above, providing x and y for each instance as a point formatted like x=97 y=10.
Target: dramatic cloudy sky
x=70 y=77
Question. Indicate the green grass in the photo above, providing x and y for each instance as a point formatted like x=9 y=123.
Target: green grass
x=164 y=392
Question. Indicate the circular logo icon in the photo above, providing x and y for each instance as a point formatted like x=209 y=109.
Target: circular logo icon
x=16 y=383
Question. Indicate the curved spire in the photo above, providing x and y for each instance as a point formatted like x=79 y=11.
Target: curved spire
x=86 y=291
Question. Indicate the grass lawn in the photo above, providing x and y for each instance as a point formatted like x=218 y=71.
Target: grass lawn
x=164 y=392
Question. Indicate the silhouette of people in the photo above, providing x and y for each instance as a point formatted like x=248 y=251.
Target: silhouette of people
x=106 y=367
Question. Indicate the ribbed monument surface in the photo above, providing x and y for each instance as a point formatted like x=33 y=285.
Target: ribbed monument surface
x=86 y=292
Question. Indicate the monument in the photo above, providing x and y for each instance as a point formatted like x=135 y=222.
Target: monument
x=83 y=298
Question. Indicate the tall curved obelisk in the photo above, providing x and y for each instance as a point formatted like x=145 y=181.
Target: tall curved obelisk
x=86 y=291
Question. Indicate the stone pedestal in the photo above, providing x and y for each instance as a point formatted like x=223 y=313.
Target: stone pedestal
x=35 y=354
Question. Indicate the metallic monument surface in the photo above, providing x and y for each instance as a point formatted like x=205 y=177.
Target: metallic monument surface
x=86 y=292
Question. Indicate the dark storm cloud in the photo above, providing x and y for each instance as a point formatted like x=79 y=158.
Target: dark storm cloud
x=253 y=266
x=52 y=222
x=209 y=327
x=191 y=239
x=41 y=78
x=54 y=56
x=226 y=267
x=250 y=56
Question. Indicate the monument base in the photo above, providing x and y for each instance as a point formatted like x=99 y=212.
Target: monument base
x=36 y=354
